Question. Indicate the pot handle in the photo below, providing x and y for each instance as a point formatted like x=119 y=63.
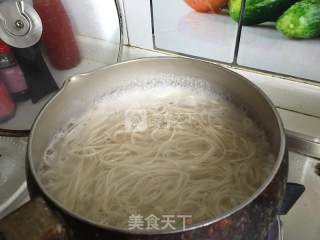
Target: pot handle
x=292 y=194
x=34 y=220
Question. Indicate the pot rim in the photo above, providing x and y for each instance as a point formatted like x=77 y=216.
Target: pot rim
x=266 y=183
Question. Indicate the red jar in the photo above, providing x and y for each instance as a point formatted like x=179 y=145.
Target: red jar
x=15 y=81
x=57 y=36
x=11 y=74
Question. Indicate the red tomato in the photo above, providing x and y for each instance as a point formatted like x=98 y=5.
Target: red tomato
x=206 y=5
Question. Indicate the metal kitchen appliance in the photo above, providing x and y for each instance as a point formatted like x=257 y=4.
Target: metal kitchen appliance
x=20 y=25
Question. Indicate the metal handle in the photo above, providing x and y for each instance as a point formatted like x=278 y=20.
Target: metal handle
x=20 y=25
x=292 y=194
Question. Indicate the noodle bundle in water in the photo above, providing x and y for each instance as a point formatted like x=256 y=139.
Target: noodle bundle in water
x=157 y=152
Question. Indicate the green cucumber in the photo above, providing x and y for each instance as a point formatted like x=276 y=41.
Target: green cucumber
x=302 y=20
x=258 y=11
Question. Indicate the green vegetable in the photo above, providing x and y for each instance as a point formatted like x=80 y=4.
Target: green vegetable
x=259 y=11
x=302 y=20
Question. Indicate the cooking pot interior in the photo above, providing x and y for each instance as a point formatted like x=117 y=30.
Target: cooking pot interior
x=82 y=91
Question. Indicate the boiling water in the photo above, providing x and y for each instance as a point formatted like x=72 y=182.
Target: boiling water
x=157 y=149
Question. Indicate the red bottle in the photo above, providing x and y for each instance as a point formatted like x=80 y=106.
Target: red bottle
x=11 y=74
x=57 y=36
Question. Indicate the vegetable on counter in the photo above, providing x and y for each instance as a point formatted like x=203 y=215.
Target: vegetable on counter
x=302 y=20
x=258 y=11
x=206 y=5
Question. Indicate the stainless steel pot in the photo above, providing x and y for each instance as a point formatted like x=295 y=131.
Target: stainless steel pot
x=251 y=220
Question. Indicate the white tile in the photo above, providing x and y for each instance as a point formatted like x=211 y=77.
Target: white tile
x=180 y=29
x=306 y=125
x=264 y=48
x=94 y=18
x=288 y=94
x=138 y=19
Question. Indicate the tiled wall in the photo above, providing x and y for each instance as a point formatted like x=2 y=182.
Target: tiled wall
x=179 y=28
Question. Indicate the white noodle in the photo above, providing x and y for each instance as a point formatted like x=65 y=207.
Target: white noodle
x=195 y=155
